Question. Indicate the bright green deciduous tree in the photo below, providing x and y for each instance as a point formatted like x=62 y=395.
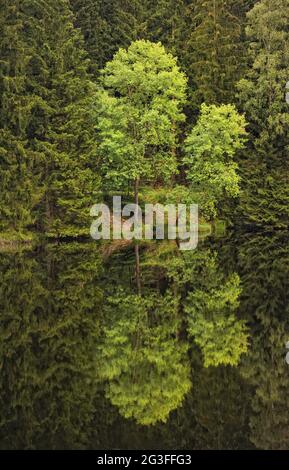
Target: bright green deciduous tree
x=139 y=108
x=211 y=147
x=210 y=303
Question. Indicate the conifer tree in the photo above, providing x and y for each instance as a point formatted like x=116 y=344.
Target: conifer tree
x=167 y=22
x=18 y=174
x=108 y=25
x=215 y=52
x=263 y=262
x=48 y=174
x=61 y=127
x=49 y=329
x=265 y=166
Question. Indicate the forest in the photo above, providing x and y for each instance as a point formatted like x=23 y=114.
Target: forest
x=183 y=100
x=129 y=345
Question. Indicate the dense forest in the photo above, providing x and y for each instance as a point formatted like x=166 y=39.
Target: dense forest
x=183 y=100
x=140 y=345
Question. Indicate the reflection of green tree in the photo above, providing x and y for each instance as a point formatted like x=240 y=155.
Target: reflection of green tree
x=143 y=361
x=214 y=325
x=145 y=338
x=210 y=300
x=49 y=326
x=21 y=294
x=264 y=266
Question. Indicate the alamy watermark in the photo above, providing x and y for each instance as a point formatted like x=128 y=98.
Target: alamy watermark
x=287 y=355
x=287 y=94
x=157 y=221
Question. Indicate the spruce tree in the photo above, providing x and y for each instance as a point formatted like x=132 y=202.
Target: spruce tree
x=61 y=127
x=18 y=169
x=50 y=311
x=167 y=22
x=94 y=29
x=265 y=166
x=263 y=262
x=214 y=52
x=48 y=174
x=108 y=25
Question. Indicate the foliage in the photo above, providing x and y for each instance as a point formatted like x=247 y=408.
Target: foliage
x=214 y=326
x=215 y=53
x=107 y=25
x=50 y=314
x=263 y=264
x=211 y=147
x=139 y=106
x=48 y=174
x=142 y=360
x=264 y=168
x=19 y=173
x=210 y=300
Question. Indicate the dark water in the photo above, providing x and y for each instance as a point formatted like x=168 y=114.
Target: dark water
x=86 y=363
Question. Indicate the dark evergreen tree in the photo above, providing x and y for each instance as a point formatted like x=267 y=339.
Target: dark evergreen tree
x=48 y=173
x=265 y=166
x=62 y=124
x=168 y=22
x=215 y=53
x=108 y=25
x=18 y=168
x=263 y=262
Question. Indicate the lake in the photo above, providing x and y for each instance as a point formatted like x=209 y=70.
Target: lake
x=195 y=360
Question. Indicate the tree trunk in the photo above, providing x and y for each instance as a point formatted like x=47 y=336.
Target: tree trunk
x=136 y=249
x=136 y=190
x=137 y=269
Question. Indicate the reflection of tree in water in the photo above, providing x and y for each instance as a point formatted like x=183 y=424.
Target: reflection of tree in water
x=60 y=344
x=211 y=308
x=49 y=328
x=210 y=301
x=264 y=266
x=146 y=366
x=144 y=353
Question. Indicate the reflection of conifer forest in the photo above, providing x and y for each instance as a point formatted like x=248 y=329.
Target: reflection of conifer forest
x=123 y=344
x=196 y=362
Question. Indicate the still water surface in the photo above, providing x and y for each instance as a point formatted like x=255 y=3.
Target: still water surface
x=196 y=362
